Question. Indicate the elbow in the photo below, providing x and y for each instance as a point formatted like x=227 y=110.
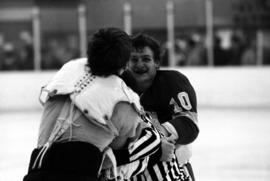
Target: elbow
x=189 y=135
x=192 y=136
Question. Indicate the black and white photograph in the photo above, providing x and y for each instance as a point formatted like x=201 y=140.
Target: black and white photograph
x=135 y=90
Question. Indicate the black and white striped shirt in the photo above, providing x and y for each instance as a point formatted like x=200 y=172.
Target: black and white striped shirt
x=156 y=170
x=163 y=171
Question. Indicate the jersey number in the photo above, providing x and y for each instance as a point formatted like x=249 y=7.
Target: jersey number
x=184 y=101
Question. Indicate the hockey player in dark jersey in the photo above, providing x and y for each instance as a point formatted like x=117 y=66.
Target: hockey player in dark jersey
x=170 y=98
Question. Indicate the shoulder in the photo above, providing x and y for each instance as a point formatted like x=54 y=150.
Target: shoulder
x=76 y=62
x=129 y=80
x=172 y=77
x=125 y=109
x=125 y=117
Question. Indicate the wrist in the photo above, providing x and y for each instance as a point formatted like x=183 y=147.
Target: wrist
x=165 y=131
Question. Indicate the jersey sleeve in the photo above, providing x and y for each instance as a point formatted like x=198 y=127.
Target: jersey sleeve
x=137 y=139
x=183 y=105
x=129 y=80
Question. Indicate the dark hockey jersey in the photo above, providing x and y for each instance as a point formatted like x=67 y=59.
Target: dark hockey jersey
x=172 y=98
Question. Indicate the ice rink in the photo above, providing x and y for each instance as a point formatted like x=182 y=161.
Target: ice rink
x=233 y=144
x=234 y=120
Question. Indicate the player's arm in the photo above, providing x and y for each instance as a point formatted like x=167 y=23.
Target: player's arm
x=137 y=139
x=184 y=124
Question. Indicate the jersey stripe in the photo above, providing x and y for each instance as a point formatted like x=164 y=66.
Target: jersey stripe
x=163 y=171
x=150 y=143
x=191 y=115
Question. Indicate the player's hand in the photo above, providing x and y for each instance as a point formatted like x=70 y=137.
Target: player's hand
x=167 y=150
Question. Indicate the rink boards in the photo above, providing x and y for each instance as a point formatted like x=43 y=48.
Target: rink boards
x=215 y=87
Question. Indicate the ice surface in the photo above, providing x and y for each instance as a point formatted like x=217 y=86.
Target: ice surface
x=233 y=144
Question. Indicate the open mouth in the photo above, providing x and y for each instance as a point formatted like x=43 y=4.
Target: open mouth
x=140 y=71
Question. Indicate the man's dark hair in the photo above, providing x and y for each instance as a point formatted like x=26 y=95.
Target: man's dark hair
x=140 y=41
x=108 y=51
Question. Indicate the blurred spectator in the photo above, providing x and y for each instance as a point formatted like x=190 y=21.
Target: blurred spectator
x=10 y=57
x=221 y=56
x=56 y=51
x=50 y=55
x=164 y=55
x=188 y=51
x=266 y=49
x=196 y=53
x=249 y=54
x=179 y=54
x=25 y=51
x=236 y=50
x=2 y=39
x=72 y=46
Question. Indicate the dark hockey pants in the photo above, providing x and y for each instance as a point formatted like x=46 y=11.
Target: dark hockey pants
x=69 y=161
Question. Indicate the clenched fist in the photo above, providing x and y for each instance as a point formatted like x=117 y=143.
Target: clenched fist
x=168 y=149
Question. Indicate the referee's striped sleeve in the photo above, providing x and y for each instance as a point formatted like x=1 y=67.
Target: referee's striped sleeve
x=146 y=144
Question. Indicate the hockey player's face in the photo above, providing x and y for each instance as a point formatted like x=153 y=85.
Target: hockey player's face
x=142 y=65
